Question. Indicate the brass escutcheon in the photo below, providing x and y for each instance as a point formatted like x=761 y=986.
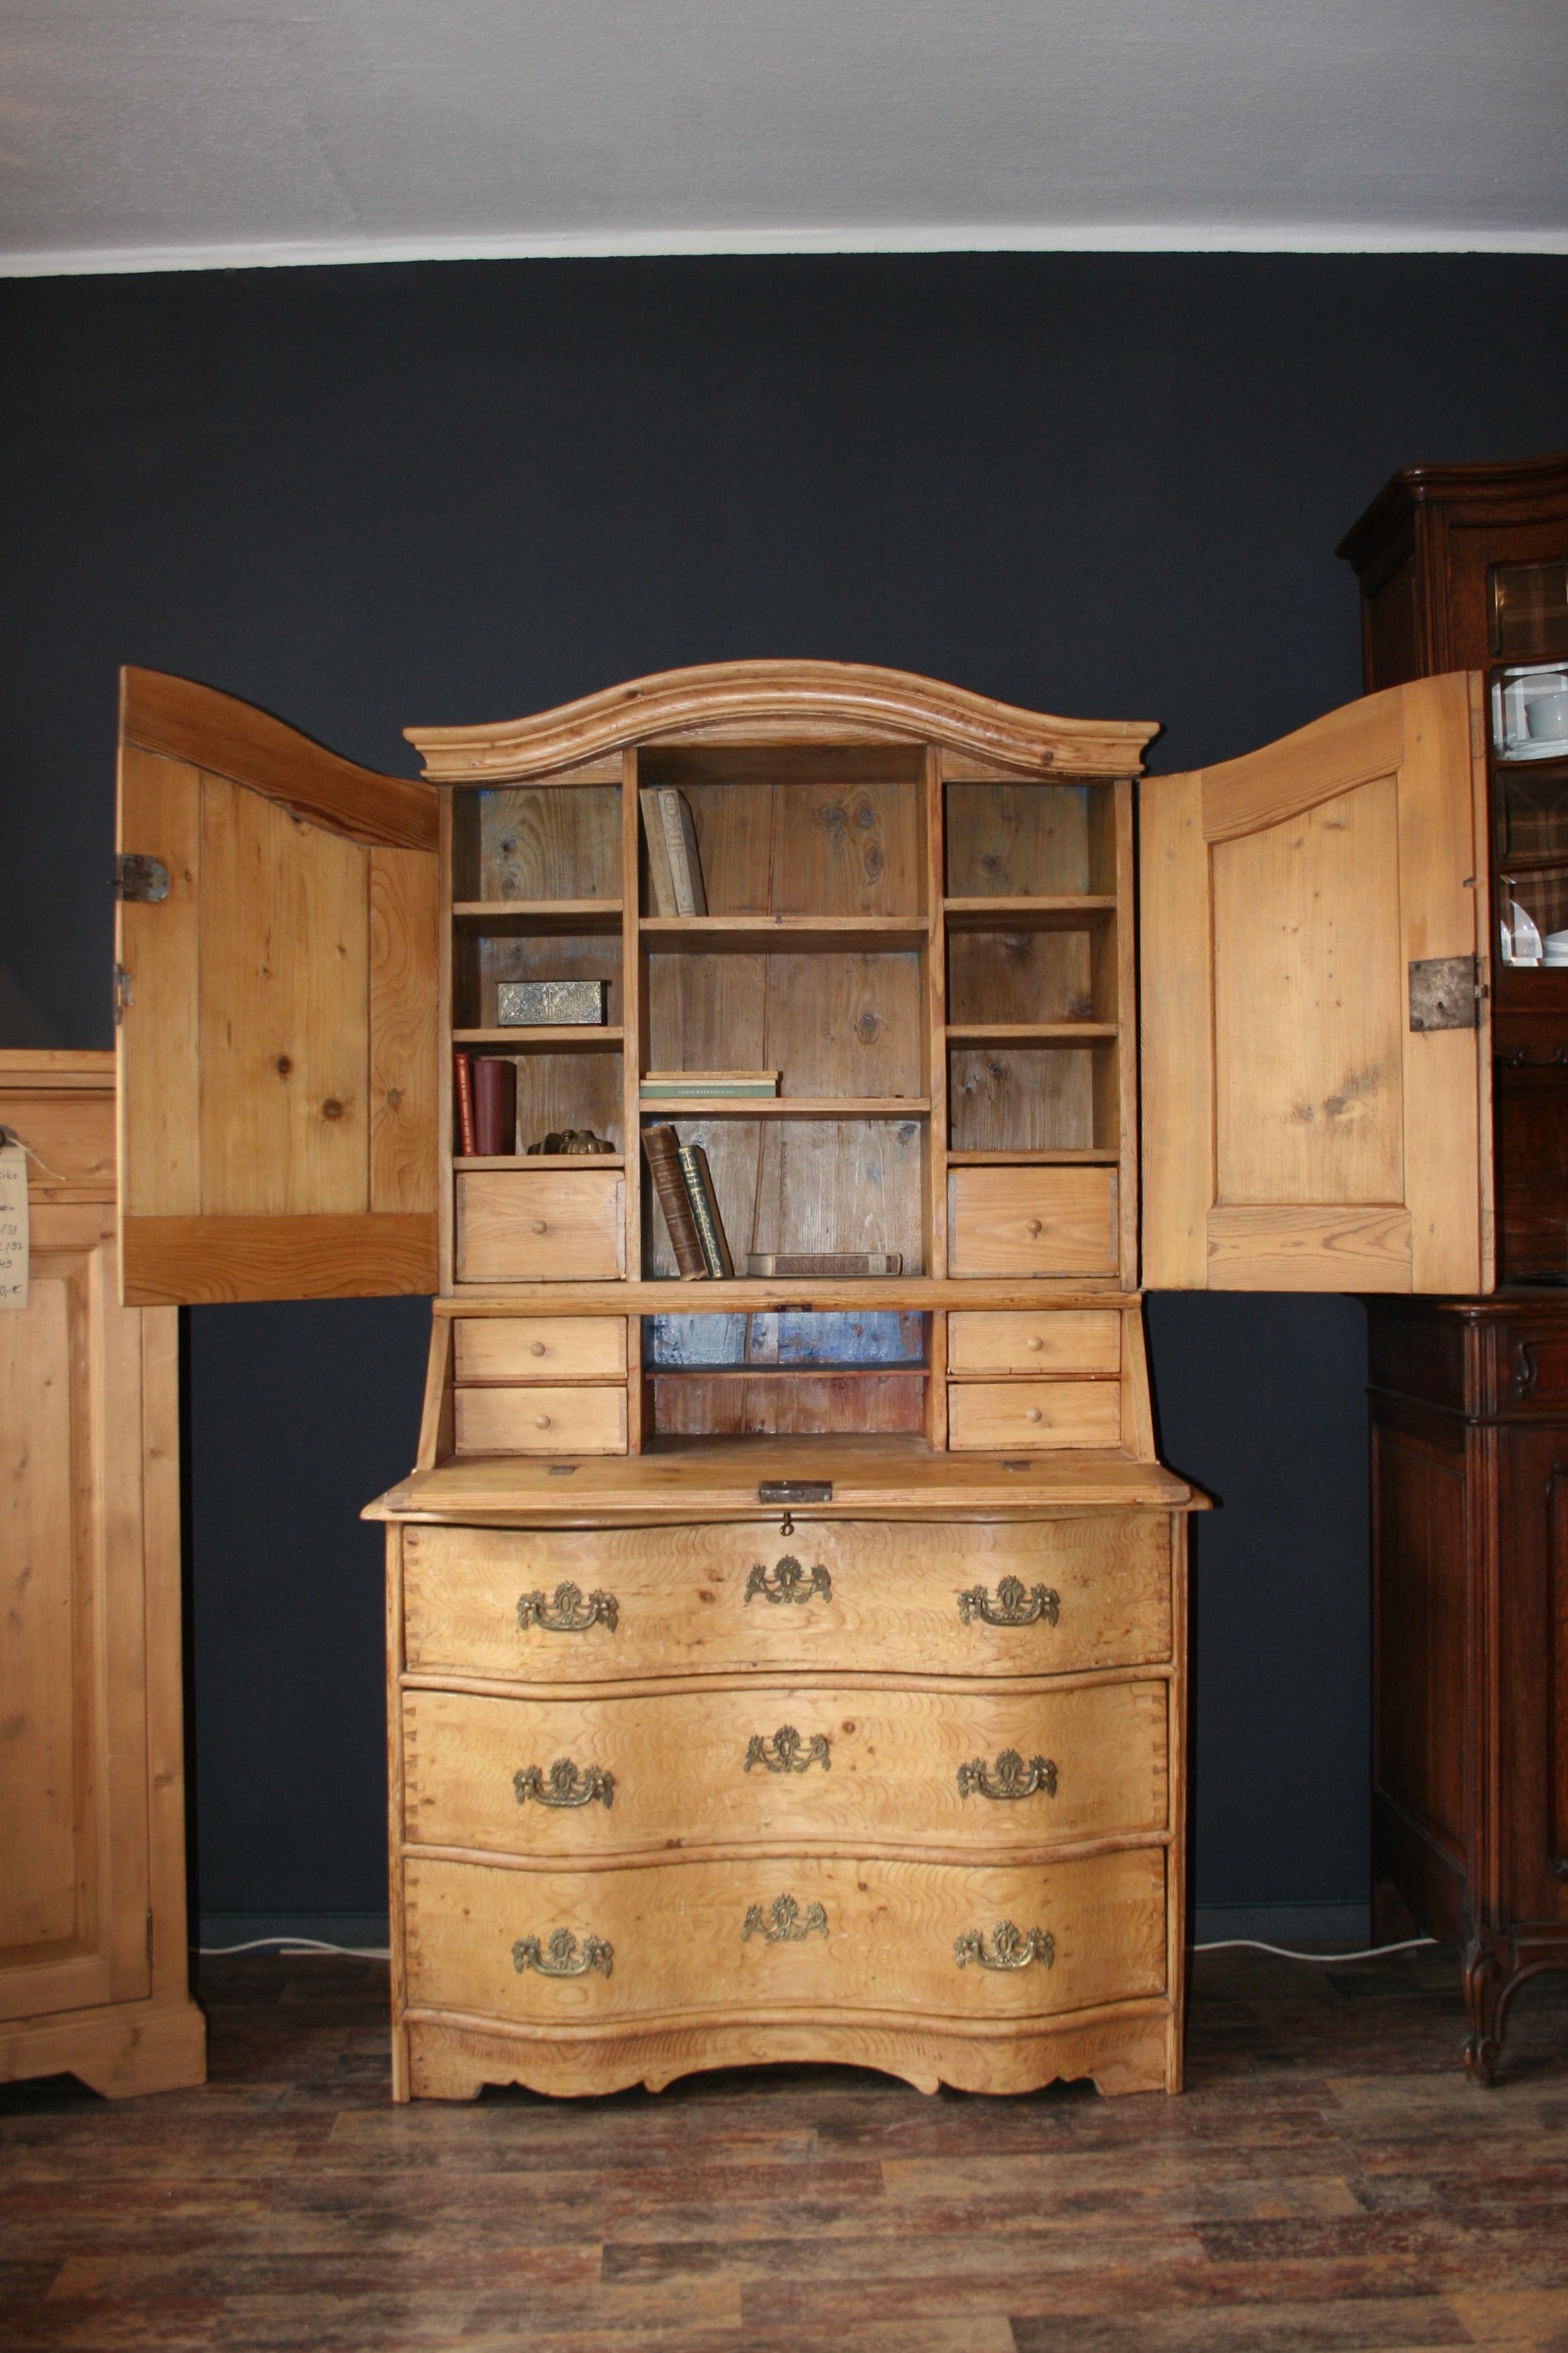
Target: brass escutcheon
x=789 y=1582
x=561 y=1957
x=564 y=1785
x=791 y=1753
x=1010 y=1778
x=1015 y=1604
x=568 y=1612
x=1010 y=1947
x=789 y=1925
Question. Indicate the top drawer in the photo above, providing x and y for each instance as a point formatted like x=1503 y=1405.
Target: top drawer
x=517 y=1226
x=605 y=1604
x=1032 y=1221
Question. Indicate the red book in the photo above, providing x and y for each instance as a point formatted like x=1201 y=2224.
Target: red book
x=463 y=1068
x=495 y=1105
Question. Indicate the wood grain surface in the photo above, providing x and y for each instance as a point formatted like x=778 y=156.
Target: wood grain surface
x=681 y=1596
x=1035 y=1413
x=1068 y=1340
x=680 y=1950
x=889 y=1771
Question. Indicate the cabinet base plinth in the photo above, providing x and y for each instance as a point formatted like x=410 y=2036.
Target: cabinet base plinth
x=1135 y=2049
x=119 y=2053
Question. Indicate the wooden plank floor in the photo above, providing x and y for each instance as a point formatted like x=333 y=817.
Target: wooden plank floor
x=1330 y=2180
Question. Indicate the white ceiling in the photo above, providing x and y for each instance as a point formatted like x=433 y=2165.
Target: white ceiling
x=181 y=133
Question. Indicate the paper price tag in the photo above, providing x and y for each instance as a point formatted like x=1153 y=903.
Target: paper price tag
x=13 y=1226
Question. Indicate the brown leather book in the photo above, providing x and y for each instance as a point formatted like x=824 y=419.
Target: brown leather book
x=463 y=1071
x=495 y=1106
x=662 y=1146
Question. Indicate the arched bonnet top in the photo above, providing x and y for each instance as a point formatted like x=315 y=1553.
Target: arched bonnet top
x=799 y=702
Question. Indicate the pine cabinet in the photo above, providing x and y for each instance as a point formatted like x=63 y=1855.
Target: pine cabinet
x=92 y=1859
x=794 y=1666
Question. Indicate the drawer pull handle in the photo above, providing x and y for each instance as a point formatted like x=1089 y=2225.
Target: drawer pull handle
x=565 y=1786
x=788 y=1582
x=785 y=1923
x=562 y=1957
x=1034 y=1230
x=1013 y=1606
x=791 y=1753
x=568 y=1612
x=539 y=1226
x=1032 y=1413
x=1013 y=1778
x=542 y=1421
x=537 y=1348
x=1010 y=1948
x=1037 y=1343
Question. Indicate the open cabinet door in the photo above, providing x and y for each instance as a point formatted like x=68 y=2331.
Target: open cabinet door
x=277 y=1005
x=1316 y=1052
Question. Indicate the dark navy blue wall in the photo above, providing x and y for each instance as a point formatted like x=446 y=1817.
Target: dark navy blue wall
x=363 y=498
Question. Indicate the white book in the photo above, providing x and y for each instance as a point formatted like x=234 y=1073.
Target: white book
x=681 y=842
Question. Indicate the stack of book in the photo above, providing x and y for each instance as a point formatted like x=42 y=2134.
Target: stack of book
x=684 y=1184
x=710 y=1086
x=674 y=867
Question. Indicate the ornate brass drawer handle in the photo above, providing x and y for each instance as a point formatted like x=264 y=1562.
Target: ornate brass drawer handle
x=1010 y=1948
x=562 y=1957
x=1013 y=1778
x=789 y=1924
x=564 y=1785
x=789 y=1582
x=1014 y=1605
x=791 y=1753
x=568 y=1612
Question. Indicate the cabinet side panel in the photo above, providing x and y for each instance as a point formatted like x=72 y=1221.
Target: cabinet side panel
x=1422 y=1631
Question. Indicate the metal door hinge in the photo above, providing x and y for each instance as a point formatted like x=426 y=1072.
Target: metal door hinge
x=139 y=877
x=1444 y=992
x=122 y=992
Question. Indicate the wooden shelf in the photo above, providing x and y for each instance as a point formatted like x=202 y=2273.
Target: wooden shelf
x=1098 y=1156
x=538 y=1160
x=828 y=1107
x=1064 y=912
x=783 y=1372
x=1031 y=1033
x=500 y=918
x=589 y=1039
x=756 y=1296
x=785 y=935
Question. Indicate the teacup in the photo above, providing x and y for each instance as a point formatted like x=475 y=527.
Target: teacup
x=1546 y=716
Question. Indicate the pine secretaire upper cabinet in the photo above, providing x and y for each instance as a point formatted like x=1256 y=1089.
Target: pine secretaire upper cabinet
x=1316 y=1110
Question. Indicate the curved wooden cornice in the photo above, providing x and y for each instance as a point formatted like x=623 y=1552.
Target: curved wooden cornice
x=784 y=702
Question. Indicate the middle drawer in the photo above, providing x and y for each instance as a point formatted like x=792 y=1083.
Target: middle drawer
x=961 y=1765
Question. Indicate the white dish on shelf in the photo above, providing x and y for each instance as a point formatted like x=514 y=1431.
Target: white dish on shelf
x=1521 y=938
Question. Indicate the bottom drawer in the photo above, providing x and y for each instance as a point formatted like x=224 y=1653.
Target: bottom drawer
x=711 y=1938
x=542 y=1421
x=1034 y=1413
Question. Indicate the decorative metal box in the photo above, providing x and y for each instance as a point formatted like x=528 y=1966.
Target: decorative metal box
x=550 y=1004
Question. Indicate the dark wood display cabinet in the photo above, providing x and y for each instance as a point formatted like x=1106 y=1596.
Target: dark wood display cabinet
x=1467 y=567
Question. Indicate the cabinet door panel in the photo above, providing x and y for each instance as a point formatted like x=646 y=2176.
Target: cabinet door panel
x=73 y=1871
x=1298 y=1133
x=277 y=1059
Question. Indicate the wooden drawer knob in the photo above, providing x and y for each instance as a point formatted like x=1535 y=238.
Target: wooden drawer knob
x=539 y=1226
x=537 y=1348
x=1037 y=1341
x=1034 y=1228
x=1033 y=1414
x=541 y=1421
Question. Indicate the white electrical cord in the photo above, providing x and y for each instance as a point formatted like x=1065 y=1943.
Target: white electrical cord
x=1324 y=1960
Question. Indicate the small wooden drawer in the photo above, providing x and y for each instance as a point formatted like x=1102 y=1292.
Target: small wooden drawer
x=982 y=1768
x=540 y=1348
x=514 y=1225
x=1075 y=1340
x=1032 y=1221
x=1092 y=1589
x=1000 y=1414
x=542 y=1421
x=553 y=1947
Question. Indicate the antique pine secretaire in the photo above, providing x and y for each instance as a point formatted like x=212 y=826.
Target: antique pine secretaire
x=791 y=1665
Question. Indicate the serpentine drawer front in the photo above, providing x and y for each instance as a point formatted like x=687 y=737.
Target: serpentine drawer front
x=973 y=1768
x=963 y=1943
x=596 y=1605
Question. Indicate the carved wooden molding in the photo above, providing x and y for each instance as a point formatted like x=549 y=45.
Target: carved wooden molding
x=803 y=701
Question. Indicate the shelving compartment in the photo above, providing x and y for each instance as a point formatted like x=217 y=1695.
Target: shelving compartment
x=802 y=1185
x=791 y=1374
